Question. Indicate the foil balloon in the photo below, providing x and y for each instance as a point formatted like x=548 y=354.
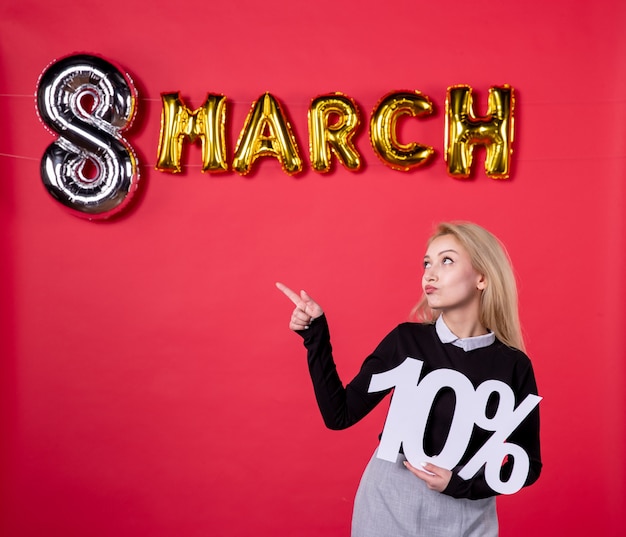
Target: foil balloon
x=88 y=102
x=333 y=121
x=384 y=135
x=206 y=124
x=266 y=132
x=464 y=131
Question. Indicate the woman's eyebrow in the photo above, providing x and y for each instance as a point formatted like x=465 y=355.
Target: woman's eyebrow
x=439 y=254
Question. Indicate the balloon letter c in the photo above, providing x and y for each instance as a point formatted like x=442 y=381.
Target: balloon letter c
x=383 y=130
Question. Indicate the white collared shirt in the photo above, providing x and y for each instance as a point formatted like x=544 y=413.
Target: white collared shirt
x=467 y=343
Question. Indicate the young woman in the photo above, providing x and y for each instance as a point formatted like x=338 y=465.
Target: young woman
x=468 y=321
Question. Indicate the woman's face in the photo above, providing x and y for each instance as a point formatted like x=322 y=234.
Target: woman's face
x=450 y=282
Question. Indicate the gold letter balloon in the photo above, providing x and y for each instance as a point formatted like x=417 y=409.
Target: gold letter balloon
x=333 y=121
x=383 y=130
x=266 y=132
x=88 y=102
x=205 y=123
x=464 y=130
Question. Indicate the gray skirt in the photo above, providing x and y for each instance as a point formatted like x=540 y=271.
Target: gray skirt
x=392 y=502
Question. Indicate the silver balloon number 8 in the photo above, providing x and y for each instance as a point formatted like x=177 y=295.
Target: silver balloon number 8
x=88 y=102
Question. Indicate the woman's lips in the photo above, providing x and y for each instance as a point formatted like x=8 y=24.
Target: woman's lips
x=429 y=289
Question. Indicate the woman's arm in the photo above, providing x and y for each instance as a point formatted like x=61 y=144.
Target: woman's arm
x=340 y=406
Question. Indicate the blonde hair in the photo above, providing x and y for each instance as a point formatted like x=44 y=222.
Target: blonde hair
x=498 y=303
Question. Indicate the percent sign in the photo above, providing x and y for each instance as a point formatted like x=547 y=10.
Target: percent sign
x=408 y=416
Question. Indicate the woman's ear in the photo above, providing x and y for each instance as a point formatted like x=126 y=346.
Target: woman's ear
x=482 y=283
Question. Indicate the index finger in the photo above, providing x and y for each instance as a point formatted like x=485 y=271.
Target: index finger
x=291 y=295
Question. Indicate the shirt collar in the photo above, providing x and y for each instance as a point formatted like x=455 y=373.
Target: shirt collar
x=468 y=343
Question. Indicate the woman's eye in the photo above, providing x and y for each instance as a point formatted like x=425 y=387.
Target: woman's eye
x=447 y=260
x=426 y=264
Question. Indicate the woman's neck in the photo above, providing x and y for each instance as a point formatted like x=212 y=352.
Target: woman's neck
x=463 y=325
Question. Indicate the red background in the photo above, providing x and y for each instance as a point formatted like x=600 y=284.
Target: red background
x=149 y=384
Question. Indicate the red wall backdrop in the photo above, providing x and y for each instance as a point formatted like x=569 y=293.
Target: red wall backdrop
x=149 y=384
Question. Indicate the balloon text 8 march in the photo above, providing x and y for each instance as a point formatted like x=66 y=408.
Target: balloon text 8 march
x=88 y=103
x=410 y=408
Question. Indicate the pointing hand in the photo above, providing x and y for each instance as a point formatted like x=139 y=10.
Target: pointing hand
x=305 y=311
